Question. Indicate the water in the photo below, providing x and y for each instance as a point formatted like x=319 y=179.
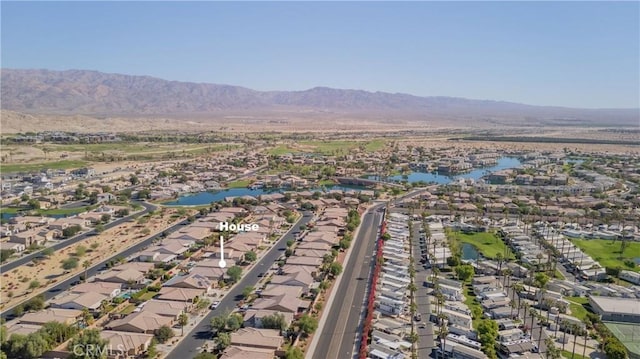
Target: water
x=203 y=198
x=503 y=163
x=469 y=252
x=8 y=216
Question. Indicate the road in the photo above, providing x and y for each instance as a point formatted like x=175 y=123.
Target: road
x=65 y=285
x=424 y=328
x=340 y=335
x=75 y=239
x=201 y=332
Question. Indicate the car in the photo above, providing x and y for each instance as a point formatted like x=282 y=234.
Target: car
x=214 y=305
x=417 y=317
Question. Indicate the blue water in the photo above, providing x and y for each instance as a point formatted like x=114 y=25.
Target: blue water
x=201 y=198
x=469 y=252
x=503 y=163
x=8 y=216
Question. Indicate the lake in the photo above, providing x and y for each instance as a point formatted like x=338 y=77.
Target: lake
x=469 y=252
x=434 y=177
x=204 y=198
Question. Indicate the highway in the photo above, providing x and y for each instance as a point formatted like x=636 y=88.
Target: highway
x=75 y=239
x=339 y=337
x=197 y=337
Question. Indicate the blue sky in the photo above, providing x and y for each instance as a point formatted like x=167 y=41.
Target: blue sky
x=576 y=54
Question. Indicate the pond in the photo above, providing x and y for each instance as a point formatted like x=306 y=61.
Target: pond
x=469 y=252
x=434 y=177
x=204 y=198
x=8 y=216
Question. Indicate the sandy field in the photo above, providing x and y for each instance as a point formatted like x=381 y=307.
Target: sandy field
x=49 y=271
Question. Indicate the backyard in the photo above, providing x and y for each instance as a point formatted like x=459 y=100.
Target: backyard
x=607 y=253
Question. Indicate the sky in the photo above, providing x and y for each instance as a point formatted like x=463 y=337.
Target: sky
x=573 y=54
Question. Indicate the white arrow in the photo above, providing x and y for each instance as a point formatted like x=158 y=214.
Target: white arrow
x=222 y=263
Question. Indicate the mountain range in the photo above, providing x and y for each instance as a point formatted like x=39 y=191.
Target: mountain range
x=92 y=93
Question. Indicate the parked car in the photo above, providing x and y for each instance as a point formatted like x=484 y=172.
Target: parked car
x=214 y=305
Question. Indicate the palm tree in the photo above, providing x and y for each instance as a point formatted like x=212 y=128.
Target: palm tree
x=86 y=264
x=444 y=331
x=574 y=328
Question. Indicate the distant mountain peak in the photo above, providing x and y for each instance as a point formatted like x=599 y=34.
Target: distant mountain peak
x=87 y=92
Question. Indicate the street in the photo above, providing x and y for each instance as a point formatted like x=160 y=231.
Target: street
x=200 y=333
x=341 y=331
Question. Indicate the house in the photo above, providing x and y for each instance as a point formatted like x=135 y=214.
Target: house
x=301 y=279
x=253 y=317
x=140 y=322
x=13 y=246
x=167 y=308
x=274 y=290
x=65 y=316
x=236 y=352
x=257 y=338
x=124 y=345
x=108 y=289
x=15 y=327
x=79 y=301
x=190 y=281
x=28 y=238
x=129 y=277
x=282 y=303
x=180 y=294
x=314 y=262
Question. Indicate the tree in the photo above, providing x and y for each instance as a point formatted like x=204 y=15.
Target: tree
x=335 y=269
x=275 y=321
x=152 y=351
x=307 y=324
x=234 y=273
x=205 y=355
x=105 y=218
x=234 y=322
x=29 y=346
x=134 y=179
x=294 y=353
x=70 y=263
x=465 y=272
x=541 y=279
x=223 y=340
x=47 y=252
x=35 y=303
x=88 y=345
x=183 y=320
x=34 y=284
x=86 y=264
x=71 y=231
x=219 y=323
x=81 y=250
x=250 y=256
x=247 y=291
x=164 y=333
x=33 y=204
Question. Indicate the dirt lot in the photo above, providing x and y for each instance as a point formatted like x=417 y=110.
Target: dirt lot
x=15 y=284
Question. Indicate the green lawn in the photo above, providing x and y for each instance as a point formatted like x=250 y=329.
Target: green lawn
x=27 y=167
x=329 y=147
x=51 y=212
x=488 y=244
x=128 y=309
x=472 y=304
x=147 y=296
x=607 y=253
x=239 y=184
x=567 y=354
x=281 y=150
x=326 y=182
